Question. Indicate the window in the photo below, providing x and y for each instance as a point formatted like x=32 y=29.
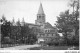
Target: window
x=39 y=16
x=48 y=30
x=45 y=31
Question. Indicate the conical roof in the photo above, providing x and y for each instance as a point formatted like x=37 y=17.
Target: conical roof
x=40 y=11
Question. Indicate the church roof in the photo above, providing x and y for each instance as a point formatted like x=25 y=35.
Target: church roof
x=40 y=11
x=32 y=24
x=48 y=25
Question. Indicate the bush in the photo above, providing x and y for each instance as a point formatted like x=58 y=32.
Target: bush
x=7 y=40
x=52 y=43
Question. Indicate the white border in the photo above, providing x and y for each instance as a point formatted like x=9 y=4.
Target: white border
x=40 y=51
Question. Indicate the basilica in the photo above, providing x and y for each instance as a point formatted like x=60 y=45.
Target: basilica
x=44 y=30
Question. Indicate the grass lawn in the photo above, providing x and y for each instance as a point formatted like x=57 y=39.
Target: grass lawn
x=53 y=48
x=9 y=45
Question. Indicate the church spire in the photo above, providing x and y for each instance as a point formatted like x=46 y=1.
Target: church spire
x=40 y=11
x=40 y=16
x=23 y=22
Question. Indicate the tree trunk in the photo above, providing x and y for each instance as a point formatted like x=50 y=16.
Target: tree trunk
x=65 y=36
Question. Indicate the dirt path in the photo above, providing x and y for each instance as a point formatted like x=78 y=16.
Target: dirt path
x=21 y=47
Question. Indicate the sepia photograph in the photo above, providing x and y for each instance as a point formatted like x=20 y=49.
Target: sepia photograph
x=39 y=24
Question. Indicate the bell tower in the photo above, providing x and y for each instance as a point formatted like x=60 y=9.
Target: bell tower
x=40 y=16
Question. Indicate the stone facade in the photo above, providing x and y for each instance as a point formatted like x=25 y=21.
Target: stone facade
x=47 y=30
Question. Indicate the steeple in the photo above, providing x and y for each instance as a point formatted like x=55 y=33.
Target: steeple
x=40 y=16
x=23 y=22
x=40 y=11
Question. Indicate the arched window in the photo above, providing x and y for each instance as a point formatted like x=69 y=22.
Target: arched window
x=39 y=16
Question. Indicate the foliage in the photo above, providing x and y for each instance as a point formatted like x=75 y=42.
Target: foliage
x=5 y=28
x=67 y=23
x=53 y=41
x=16 y=34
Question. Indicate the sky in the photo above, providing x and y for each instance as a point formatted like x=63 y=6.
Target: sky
x=28 y=9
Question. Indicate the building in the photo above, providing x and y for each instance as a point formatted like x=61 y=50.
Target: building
x=44 y=30
x=47 y=30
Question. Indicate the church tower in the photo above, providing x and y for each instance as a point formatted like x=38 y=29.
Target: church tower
x=40 y=16
x=23 y=22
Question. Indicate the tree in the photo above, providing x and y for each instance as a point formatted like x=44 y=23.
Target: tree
x=25 y=31
x=28 y=36
x=75 y=15
x=62 y=23
x=67 y=22
x=18 y=23
x=32 y=38
x=5 y=29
